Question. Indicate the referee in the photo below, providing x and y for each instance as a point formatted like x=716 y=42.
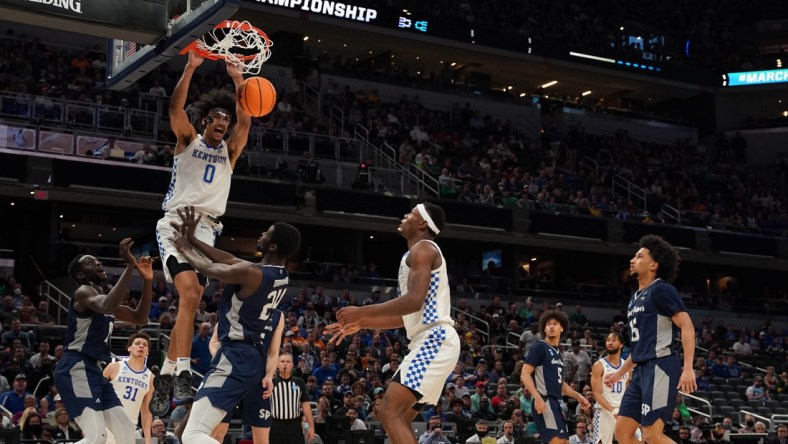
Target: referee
x=288 y=402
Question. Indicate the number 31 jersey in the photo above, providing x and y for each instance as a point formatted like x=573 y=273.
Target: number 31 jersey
x=131 y=387
x=253 y=319
x=201 y=176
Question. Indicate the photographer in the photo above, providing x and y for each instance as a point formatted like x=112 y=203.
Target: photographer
x=434 y=433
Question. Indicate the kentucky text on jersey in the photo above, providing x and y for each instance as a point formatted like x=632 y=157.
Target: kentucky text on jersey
x=209 y=157
x=132 y=381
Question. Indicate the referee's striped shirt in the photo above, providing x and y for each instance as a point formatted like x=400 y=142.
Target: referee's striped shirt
x=287 y=398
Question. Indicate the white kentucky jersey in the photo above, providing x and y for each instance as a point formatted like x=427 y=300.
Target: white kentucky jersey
x=437 y=303
x=613 y=394
x=131 y=387
x=201 y=177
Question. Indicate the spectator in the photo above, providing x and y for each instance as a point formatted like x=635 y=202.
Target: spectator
x=481 y=432
x=581 y=434
x=16 y=332
x=201 y=354
x=749 y=425
x=355 y=423
x=64 y=428
x=782 y=435
x=756 y=392
x=160 y=432
x=742 y=347
x=434 y=432
x=507 y=437
x=42 y=356
x=14 y=400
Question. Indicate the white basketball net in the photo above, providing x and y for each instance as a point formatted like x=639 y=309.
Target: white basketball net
x=241 y=36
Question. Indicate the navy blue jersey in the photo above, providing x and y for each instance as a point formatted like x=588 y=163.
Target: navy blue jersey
x=650 y=315
x=253 y=319
x=548 y=369
x=88 y=333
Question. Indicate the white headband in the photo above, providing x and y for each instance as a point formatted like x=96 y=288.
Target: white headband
x=426 y=216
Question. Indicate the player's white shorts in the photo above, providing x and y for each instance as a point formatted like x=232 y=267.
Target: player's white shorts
x=604 y=427
x=433 y=355
x=207 y=230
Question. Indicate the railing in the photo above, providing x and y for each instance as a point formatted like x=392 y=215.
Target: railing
x=671 y=213
x=702 y=401
x=56 y=297
x=336 y=119
x=632 y=191
x=477 y=320
x=311 y=98
x=743 y=413
x=778 y=419
x=509 y=336
x=73 y=114
x=589 y=164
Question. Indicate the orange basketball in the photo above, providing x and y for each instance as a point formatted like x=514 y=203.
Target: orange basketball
x=257 y=96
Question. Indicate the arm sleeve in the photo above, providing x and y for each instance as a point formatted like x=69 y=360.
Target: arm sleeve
x=667 y=300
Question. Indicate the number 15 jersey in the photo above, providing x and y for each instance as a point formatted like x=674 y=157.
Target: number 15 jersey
x=201 y=177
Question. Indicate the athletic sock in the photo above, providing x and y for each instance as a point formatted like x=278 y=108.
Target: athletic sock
x=168 y=368
x=183 y=364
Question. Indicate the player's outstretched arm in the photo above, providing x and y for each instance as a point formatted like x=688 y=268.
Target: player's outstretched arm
x=145 y=414
x=139 y=314
x=238 y=139
x=273 y=358
x=245 y=274
x=189 y=220
x=339 y=331
x=687 y=382
x=423 y=257
x=566 y=390
x=179 y=120
x=87 y=297
x=597 y=386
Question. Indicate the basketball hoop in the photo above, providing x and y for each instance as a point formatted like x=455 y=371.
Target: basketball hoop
x=239 y=42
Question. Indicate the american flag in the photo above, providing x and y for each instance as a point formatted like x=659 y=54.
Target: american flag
x=129 y=48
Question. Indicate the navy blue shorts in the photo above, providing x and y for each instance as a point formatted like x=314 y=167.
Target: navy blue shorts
x=651 y=395
x=235 y=377
x=551 y=423
x=82 y=385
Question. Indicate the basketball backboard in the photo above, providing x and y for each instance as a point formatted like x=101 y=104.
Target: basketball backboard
x=129 y=60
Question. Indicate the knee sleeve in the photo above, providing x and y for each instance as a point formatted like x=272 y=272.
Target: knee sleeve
x=119 y=424
x=93 y=427
x=202 y=420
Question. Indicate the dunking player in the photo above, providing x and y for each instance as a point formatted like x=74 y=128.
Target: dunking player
x=654 y=312
x=608 y=398
x=423 y=308
x=542 y=376
x=133 y=383
x=201 y=173
x=87 y=395
x=250 y=328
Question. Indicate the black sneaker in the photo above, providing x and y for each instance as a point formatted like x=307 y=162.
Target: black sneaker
x=160 y=403
x=183 y=390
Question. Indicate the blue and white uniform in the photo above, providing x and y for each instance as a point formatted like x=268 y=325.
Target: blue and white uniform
x=434 y=343
x=604 y=421
x=548 y=373
x=131 y=386
x=246 y=327
x=652 y=393
x=78 y=375
x=201 y=177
